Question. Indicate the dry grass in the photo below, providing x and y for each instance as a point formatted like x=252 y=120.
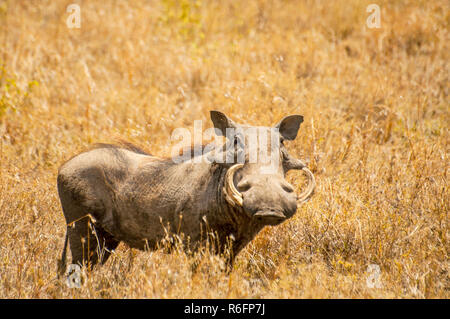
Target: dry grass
x=376 y=108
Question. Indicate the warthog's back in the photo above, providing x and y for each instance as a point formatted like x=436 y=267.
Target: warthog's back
x=118 y=161
x=89 y=182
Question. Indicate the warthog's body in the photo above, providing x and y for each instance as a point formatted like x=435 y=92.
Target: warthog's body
x=120 y=193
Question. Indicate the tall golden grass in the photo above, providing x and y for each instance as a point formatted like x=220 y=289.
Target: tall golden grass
x=376 y=109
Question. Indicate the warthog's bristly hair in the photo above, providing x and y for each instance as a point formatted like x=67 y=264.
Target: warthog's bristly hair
x=122 y=144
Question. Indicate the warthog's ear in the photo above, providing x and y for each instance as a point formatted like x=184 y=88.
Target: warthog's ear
x=289 y=126
x=221 y=122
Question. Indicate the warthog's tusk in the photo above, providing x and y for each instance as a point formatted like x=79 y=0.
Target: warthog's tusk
x=311 y=185
x=232 y=195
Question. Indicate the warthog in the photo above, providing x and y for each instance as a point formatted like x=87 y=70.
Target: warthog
x=115 y=193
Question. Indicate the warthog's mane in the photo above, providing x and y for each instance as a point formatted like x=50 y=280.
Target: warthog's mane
x=122 y=144
x=114 y=147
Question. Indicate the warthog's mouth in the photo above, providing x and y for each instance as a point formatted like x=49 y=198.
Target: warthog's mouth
x=269 y=217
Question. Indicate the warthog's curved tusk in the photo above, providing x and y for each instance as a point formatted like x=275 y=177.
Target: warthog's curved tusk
x=311 y=186
x=232 y=195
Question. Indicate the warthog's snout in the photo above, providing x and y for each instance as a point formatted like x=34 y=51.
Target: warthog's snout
x=268 y=198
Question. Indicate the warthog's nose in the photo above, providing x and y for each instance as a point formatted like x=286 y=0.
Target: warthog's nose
x=275 y=185
x=268 y=198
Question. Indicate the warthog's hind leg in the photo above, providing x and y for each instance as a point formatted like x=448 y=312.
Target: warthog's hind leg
x=90 y=244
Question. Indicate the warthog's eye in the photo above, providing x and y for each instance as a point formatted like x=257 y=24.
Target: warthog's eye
x=238 y=143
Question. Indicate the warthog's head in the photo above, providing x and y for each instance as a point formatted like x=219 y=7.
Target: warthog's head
x=257 y=162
